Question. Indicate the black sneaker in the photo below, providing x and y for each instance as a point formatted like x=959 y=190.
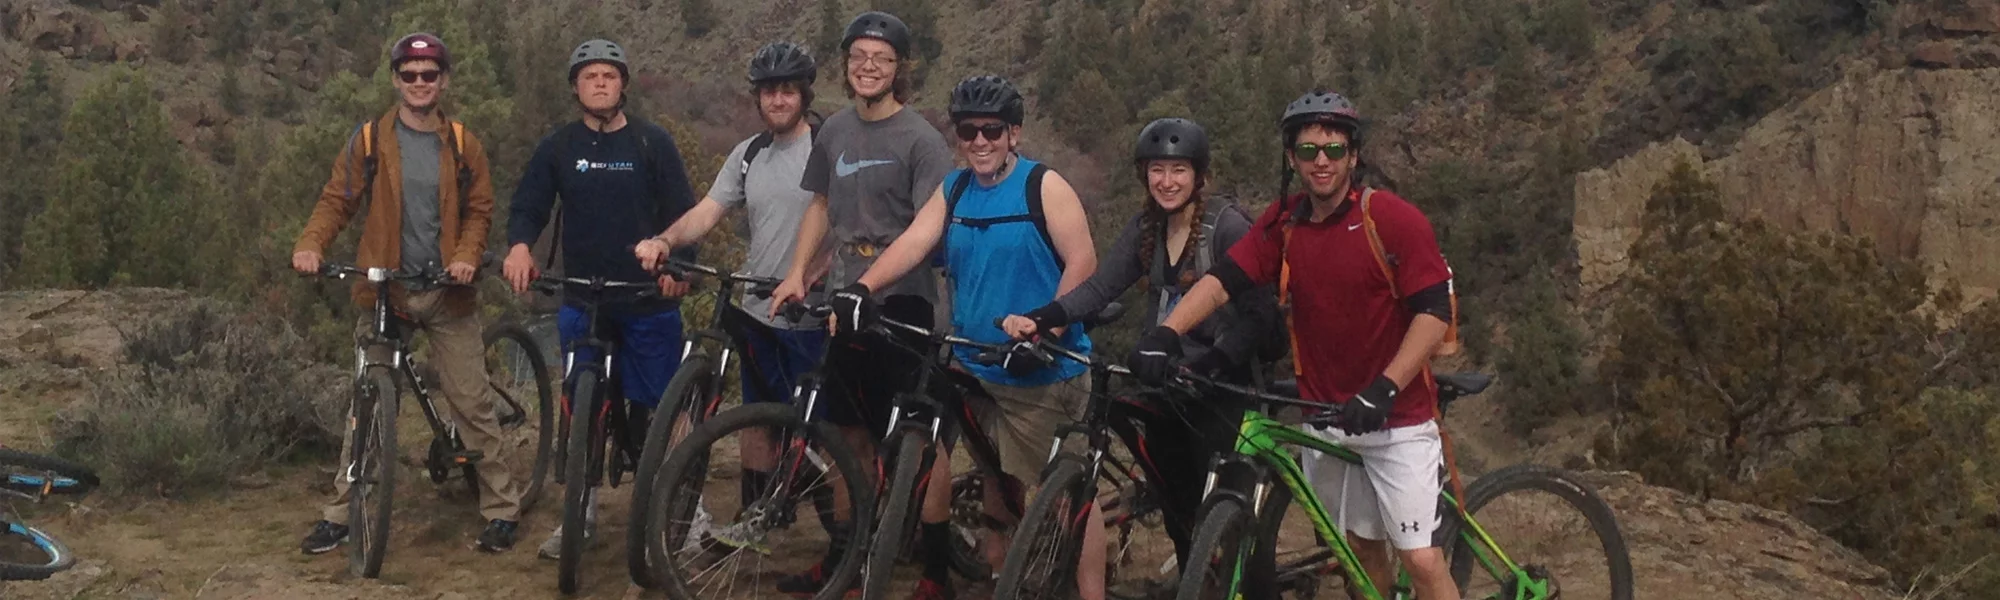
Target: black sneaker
x=499 y=536
x=325 y=536
x=809 y=583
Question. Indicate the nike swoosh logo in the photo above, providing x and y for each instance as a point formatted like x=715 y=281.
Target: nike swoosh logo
x=1354 y=227
x=843 y=168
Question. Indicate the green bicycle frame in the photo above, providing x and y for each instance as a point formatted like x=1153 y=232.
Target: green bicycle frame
x=1266 y=441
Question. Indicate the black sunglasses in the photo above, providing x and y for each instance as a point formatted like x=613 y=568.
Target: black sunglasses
x=992 y=131
x=430 y=76
x=1333 y=150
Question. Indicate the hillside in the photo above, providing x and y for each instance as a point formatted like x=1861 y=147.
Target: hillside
x=238 y=543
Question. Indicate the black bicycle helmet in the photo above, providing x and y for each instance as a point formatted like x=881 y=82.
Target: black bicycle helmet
x=1323 y=107
x=1172 y=137
x=598 y=51
x=879 y=25
x=987 y=96
x=782 y=61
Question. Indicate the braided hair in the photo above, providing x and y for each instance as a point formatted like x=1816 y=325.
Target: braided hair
x=1153 y=221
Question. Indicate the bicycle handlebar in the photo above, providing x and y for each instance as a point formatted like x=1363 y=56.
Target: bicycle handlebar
x=761 y=287
x=1190 y=382
x=380 y=275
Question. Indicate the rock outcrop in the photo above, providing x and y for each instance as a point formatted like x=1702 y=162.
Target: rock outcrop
x=1903 y=156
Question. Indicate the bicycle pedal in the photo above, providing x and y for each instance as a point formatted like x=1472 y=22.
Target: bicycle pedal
x=466 y=457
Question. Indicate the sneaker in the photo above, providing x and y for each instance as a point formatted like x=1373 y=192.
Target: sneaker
x=552 y=549
x=809 y=583
x=931 y=589
x=499 y=536
x=325 y=536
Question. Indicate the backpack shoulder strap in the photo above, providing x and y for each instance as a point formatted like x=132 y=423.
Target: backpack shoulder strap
x=1382 y=258
x=1204 y=258
x=960 y=180
x=1285 y=289
x=1036 y=213
x=757 y=146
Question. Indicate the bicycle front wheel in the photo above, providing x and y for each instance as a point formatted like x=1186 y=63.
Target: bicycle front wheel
x=578 y=481
x=517 y=371
x=712 y=537
x=897 y=521
x=1218 y=554
x=1041 y=562
x=687 y=397
x=371 y=488
x=1562 y=537
x=27 y=554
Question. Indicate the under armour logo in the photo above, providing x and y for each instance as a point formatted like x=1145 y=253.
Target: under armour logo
x=1411 y=527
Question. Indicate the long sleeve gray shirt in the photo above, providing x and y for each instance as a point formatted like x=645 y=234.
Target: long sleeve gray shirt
x=1241 y=330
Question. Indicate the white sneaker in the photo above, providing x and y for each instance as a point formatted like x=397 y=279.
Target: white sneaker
x=552 y=549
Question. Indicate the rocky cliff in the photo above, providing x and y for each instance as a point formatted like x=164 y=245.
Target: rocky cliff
x=1900 y=149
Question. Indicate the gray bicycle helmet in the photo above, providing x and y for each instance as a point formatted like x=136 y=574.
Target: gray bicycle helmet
x=1323 y=107
x=598 y=51
x=987 y=96
x=1172 y=137
x=782 y=61
x=879 y=25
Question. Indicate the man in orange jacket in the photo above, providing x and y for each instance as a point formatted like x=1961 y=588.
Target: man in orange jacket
x=429 y=201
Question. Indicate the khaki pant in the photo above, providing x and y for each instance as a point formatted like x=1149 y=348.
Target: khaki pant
x=1022 y=421
x=458 y=353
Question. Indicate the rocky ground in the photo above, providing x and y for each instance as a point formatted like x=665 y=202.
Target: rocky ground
x=241 y=543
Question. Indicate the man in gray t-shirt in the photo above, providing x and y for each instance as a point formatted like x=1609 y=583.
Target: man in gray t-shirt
x=875 y=175
x=762 y=177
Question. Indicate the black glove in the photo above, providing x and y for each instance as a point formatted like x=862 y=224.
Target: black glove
x=854 y=309
x=1024 y=361
x=1049 y=316
x=1153 y=358
x=1368 y=411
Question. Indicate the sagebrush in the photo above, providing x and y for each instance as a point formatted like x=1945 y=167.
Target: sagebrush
x=209 y=394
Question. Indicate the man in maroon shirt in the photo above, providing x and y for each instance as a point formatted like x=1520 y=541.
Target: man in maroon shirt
x=1361 y=341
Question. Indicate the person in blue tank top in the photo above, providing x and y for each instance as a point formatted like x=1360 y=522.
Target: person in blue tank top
x=1013 y=236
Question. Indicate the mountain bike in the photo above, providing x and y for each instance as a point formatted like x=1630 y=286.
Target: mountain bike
x=695 y=393
x=1242 y=508
x=1042 y=561
x=28 y=553
x=597 y=446
x=696 y=555
x=917 y=418
x=516 y=374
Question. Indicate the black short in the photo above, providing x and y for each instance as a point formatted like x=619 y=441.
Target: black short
x=865 y=371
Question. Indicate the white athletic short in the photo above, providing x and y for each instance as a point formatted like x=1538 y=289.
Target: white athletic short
x=1400 y=484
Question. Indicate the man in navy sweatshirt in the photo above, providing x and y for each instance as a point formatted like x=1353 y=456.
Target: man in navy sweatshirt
x=621 y=181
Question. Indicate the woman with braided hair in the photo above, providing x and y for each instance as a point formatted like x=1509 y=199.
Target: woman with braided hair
x=1165 y=248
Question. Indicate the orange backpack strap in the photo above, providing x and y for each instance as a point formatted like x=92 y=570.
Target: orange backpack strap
x=1375 y=243
x=1285 y=292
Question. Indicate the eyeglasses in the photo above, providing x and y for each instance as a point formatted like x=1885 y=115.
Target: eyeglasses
x=1310 y=152
x=880 y=60
x=430 y=76
x=992 y=131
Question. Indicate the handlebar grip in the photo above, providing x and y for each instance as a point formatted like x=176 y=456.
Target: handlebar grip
x=991 y=359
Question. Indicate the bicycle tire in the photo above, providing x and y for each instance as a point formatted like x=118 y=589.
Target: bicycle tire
x=543 y=404
x=688 y=392
x=59 y=556
x=1561 y=484
x=1049 y=515
x=70 y=478
x=689 y=459
x=576 y=492
x=1222 y=528
x=371 y=497
x=893 y=528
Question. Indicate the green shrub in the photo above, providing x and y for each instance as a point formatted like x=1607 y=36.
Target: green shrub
x=209 y=394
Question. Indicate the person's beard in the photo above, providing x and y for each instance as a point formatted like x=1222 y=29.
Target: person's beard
x=788 y=124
